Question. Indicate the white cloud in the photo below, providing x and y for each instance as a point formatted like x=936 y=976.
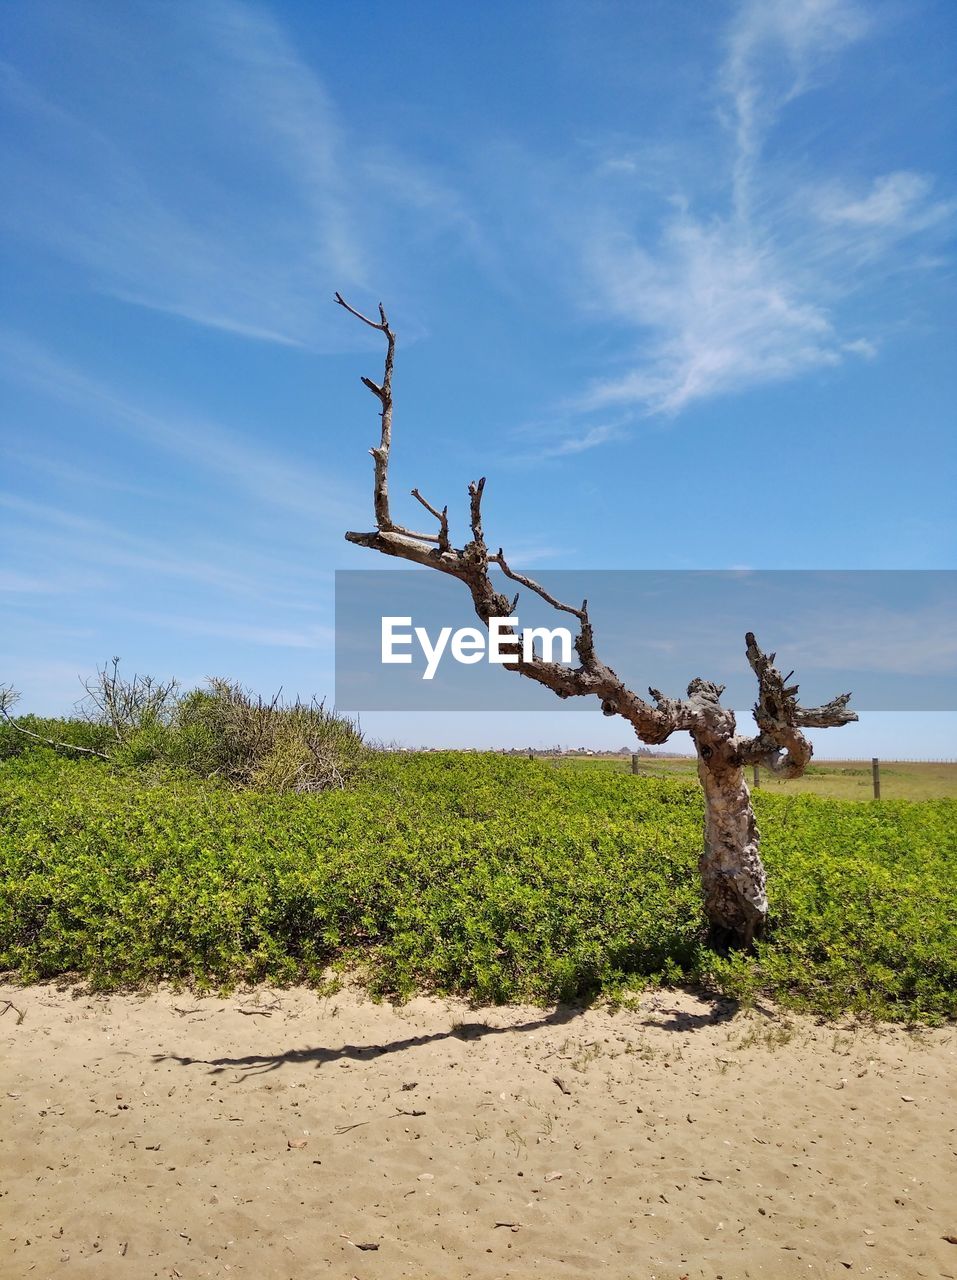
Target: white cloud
x=775 y=48
x=524 y=554
x=751 y=292
x=896 y=202
x=590 y=439
x=861 y=347
x=213 y=180
x=722 y=310
x=619 y=165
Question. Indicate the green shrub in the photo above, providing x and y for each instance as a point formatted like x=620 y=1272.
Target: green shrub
x=223 y=731
x=493 y=878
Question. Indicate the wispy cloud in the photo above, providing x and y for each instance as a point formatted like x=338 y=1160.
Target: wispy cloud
x=895 y=205
x=775 y=50
x=140 y=176
x=724 y=314
x=562 y=441
x=591 y=439
x=751 y=292
x=290 y=484
x=97 y=192
x=523 y=554
x=102 y=548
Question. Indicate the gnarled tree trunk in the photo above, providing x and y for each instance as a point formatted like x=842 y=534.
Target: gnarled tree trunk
x=732 y=873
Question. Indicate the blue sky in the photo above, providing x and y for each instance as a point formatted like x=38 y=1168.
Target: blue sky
x=679 y=279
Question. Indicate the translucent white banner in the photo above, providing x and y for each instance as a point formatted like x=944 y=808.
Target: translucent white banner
x=407 y=640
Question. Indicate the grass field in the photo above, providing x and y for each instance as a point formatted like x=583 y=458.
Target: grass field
x=840 y=779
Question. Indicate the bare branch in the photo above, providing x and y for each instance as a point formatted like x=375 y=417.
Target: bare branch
x=397 y=543
x=476 y=489
x=499 y=559
x=439 y=515
x=373 y=324
x=471 y=565
x=383 y=393
x=585 y=643
x=831 y=716
x=125 y=705
x=781 y=746
x=442 y=517
x=9 y=698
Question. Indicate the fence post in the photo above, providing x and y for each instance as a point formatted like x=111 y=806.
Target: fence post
x=531 y=755
x=876 y=774
x=757 y=776
x=634 y=762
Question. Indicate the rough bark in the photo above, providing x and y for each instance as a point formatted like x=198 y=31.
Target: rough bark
x=732 y=875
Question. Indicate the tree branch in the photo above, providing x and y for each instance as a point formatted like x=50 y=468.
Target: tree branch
x=8 y=698
x=383 y=327
x=499 y=559
x=471 y=565
x=781 y=746
x=442 y=517
x=585 y=643
x=383 y=393
x=476 y=489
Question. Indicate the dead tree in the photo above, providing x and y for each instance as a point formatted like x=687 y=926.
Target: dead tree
x=732 y=874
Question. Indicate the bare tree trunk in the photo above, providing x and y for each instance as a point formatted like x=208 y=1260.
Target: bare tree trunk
x=732 y=874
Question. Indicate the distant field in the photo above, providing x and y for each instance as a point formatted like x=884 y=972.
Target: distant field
x=842 y=779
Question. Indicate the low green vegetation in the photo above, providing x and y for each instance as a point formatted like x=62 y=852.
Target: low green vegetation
x=494 y=878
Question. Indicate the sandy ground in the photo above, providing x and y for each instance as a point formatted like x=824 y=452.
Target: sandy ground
x=288 y=1135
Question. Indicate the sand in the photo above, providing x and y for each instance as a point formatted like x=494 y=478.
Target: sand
x=277 y=1134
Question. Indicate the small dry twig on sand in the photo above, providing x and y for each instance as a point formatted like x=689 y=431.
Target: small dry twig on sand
x=8 y=1004
x=366 y=1248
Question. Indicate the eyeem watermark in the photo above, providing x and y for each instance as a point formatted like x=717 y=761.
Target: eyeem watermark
x=407 y=640
x=469 y=645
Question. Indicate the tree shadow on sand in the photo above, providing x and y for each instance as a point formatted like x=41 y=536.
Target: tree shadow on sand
x=721 y=1009
x=261 y=1063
